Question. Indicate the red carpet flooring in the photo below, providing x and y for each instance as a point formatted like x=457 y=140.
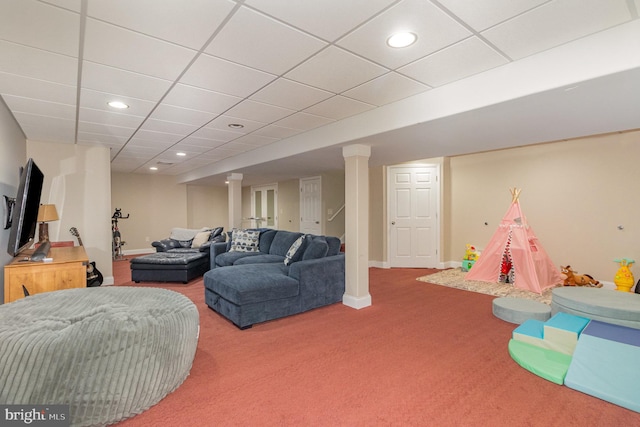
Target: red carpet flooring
x=421 y=355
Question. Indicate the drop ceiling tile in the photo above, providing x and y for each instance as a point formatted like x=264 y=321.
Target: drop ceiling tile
x=289 y=94
x=219 y=75
x=187 y=23
x=272 y=131
x=182 y=115
x=121 y=48
x=335 y=70
x=110 y=118
x=223 y=122
x=37 y=107
x=329 y=19
x=73 y=5
x=199 y=99
x=235 y=148
x=434 y=28
x=259 y=111
x=339 y=107
x=303 y=121
x=190 y=149
x=386 y=89
x=112 y=140
x=484 y=14
x=40 y=25
x=256 y=140
x=30 y=62
x=216 y=134
x=270 y=46
x=11 y=84
x=194 y=142
x=157 y=137
x=99 y=101
x=168 y=127
x=463 y=59
x=104 y=129
x=547 y=26
x=41 y=128
x=114 y=80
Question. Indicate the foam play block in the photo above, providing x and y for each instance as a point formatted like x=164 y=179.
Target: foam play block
x=531 y=331
x=562 y=331
x=605 y=364
x=545 y=363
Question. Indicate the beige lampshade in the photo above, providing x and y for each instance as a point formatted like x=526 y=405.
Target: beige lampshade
x=47 y=213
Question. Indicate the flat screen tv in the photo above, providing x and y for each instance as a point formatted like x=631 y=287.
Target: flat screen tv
x=25 y=211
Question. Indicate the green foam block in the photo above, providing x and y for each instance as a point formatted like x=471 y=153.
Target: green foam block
x=548 y=364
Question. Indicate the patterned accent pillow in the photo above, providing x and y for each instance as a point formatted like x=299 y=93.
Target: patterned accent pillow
x=293 y=252
x=244 y=240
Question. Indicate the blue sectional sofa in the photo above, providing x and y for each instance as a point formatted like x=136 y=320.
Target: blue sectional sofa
x=273 y=274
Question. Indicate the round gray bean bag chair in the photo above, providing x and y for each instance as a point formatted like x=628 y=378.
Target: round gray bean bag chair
x=107 y=352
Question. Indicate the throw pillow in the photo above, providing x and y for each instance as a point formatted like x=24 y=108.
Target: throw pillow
x=200 y=239
x=316 y=248
x=293 y=254
x=244 y=240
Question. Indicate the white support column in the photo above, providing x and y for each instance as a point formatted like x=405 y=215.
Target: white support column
x=356 y=158
x=234 y=189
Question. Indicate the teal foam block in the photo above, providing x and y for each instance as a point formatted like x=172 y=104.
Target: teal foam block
x=531 y=328
x=545 y=363
x=568 y=322
x=605 y=364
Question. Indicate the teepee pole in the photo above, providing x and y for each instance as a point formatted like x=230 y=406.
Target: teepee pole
x=515 y=194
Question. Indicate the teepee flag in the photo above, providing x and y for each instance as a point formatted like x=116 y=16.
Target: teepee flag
x=514 y=255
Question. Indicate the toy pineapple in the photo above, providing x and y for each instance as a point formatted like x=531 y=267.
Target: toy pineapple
x=624 y=276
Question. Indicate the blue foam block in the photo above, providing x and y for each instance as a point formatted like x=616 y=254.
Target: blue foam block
x=604 y=364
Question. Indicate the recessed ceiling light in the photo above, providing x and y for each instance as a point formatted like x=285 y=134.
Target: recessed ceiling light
x=402 y=39
x=153 y=168
x=181 y=154
x=235 y=126
x=118 y=104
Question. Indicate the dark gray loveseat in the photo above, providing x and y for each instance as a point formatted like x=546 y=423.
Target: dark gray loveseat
x=256 y=286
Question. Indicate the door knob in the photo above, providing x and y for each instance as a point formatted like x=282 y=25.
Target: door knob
x=393 y=223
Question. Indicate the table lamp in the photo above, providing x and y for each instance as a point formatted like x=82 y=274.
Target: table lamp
x=46 y=213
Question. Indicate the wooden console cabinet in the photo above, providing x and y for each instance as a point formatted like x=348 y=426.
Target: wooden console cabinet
x=68 y=269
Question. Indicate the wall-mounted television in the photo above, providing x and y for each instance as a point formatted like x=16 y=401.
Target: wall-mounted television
x=25 y=211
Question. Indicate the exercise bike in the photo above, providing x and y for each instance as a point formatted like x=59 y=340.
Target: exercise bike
x=117 y=242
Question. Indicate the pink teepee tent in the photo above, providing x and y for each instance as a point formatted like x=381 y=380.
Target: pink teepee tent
x=514 y=255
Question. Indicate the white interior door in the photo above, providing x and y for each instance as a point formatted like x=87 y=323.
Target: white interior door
x=311 y=205
x=413 y=194
x=264 y=206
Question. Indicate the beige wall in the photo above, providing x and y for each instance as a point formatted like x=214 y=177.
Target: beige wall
x=575 y=194
x=377 y=215
x=155 y=204
x=76 y=180
x=333 y=199
x=207 y=207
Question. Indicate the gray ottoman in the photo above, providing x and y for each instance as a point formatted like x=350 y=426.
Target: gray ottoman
x=518 y=310
x=108 y=352
x=169 y=266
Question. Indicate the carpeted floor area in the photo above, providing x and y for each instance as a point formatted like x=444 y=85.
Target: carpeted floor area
x=454 y=278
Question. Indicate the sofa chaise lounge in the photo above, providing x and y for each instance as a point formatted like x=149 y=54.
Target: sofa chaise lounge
x=180 y=258
x=273 y=274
